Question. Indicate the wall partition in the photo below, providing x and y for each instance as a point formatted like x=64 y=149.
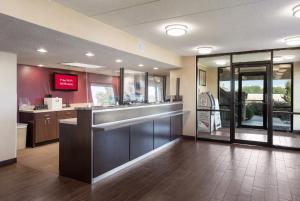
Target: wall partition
x=286 y=112
x=250 y=97
x=214 y=97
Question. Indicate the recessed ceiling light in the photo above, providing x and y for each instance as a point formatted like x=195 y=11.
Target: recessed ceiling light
x=40 y=65
x=289 y=57
x=294 y=40
x=176 y=30
x=277 y=58
x=221 y=62
x=89 y=54
x=296 y=11
x=82 y=65
x=141 y=65
x=204 y=50
x=119 y=60
x=42 y=50
x=155 y=68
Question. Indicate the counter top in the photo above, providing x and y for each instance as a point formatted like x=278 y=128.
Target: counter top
x=134 y=106
x=132 y=121
x=41 y=111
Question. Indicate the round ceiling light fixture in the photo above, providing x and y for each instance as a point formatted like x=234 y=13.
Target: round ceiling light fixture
x=296 y=11
x=292 y=41
x=176 y=30
x=141 y=65
x=89 y=54
x=155 y=68
x=119 y=61
x=42 y=50
x=204 y=50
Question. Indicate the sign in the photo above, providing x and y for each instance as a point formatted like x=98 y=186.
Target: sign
x=65 y=82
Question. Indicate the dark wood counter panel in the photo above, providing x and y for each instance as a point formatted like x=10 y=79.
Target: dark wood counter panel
x=104 y=150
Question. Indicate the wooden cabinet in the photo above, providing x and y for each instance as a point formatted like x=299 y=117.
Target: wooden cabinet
x=44 y=126
x=162 y=132
x=141 y=139
x=111 y=149
x=176 y=127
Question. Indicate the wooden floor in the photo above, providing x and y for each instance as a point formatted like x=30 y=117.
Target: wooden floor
x=187 y=170
x=44 y=158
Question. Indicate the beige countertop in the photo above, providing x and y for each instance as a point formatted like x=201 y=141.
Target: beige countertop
x=40 y=111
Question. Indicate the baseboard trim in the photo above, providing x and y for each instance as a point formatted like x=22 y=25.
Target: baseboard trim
x=8 y=162
x=188 y=137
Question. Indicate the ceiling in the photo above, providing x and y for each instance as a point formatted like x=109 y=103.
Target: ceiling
x=226 y=25
x=24 y=39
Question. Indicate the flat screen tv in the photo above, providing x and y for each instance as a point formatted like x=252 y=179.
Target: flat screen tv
x=65 y=82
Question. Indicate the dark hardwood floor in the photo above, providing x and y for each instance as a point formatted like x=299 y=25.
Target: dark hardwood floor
x=187 y=170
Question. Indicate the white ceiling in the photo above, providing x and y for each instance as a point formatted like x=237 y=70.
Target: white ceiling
x=227 y=25
x=24 y=39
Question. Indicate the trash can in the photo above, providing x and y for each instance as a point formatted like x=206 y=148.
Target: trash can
x=21 y=136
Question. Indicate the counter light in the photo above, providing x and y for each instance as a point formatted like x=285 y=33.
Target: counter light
x=176 y=30
x=294 y=40
x=296 y=11
x=40 y=65
x=204 y=50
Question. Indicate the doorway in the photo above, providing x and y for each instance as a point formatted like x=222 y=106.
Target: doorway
x=252 y=100
x=251 y=103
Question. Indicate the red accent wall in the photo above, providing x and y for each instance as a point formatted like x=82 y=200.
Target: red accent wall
x=34 y=83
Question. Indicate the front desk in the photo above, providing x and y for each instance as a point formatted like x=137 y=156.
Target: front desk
x=101 y=140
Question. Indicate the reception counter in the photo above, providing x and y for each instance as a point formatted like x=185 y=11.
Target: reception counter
x=101 y=140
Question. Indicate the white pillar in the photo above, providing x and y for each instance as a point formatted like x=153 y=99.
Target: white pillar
x=8 y=105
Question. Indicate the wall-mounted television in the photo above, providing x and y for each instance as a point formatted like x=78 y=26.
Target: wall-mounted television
x=65 y=82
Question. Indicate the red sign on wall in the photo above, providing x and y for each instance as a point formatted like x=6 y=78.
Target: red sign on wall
x=65 y=82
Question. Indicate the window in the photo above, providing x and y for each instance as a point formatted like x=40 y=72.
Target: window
x=102 y=95
x=134 y=86
x=155 y=89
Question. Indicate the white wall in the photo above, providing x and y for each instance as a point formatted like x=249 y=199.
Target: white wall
x=296 y=95
x=187 y=75
x=8 y=105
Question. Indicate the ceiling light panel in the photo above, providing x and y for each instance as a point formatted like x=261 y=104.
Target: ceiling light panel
x=176 y=30
x=292 y=41
x=296 y=11
x=82 y=65
x=204 y=50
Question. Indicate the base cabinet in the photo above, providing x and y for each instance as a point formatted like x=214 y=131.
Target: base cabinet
x=43 y=127
x=162 y=132
x=176 y=127
x=111 y=149
x=141 y=139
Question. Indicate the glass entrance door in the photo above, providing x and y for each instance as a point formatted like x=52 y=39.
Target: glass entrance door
x=252 y=100
x=251 y=103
